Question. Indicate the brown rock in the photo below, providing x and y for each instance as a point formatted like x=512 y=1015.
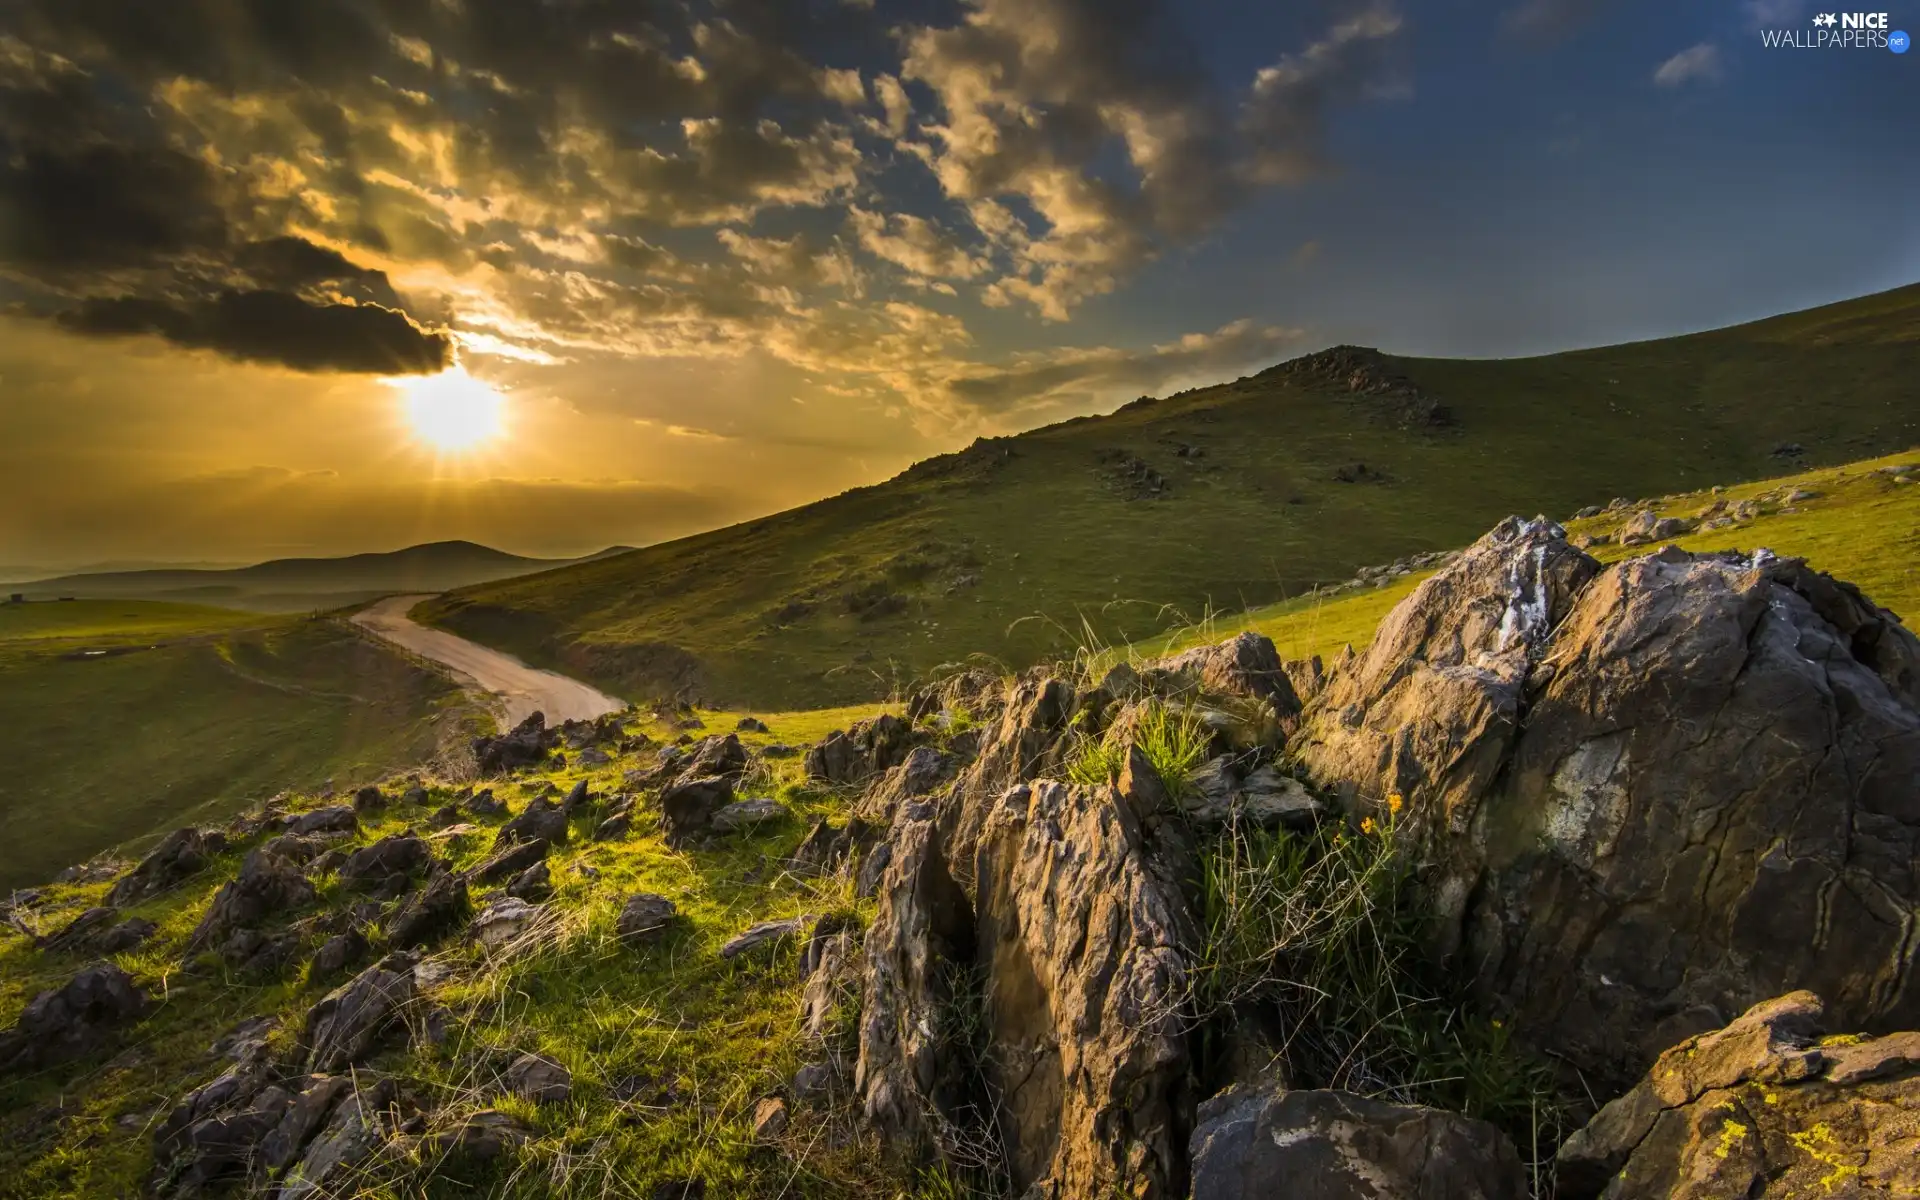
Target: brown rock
x=1764 y=1109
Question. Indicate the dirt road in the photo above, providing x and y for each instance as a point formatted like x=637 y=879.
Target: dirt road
x=520 y=688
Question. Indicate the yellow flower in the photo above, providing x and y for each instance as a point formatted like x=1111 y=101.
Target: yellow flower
x=1367 y=826
x=1395 y=802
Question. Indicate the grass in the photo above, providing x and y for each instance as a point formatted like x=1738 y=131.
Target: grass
x=670 y=1046
x=128 y=718
x=847 y=599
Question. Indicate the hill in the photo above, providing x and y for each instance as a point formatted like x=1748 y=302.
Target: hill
x=307 y=584
x=125 y=718
x=1219 y=499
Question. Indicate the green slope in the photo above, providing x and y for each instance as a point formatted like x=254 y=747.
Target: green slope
x=1004 y=549
x=126 y=718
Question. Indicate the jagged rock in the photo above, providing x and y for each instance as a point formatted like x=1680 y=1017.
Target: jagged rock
x=522 y=746
x=195 y=1126
x=74 y=1019
x=535 y=883
x=539 y=1079
x=919 y=773
x=747 y=814
x=645 y=917
x=255 y=952
x=415 y=796
x=1710 y=801
x=503 y=921
x=826 y=847
x=248 y=1038
x=687 y=807
x=329 y=862
x=223 y=1147
x=751 y=725
x=486 y=804
x=99 y=930
x=1217 y=796
x=369 y=799
x=593 y=756
x=541 y=821
x=1255 y=1143
x=613 y=828
x=445 y=817
x=1024 y=744
x=353 y=1135
x=180 y=854
x=94 y=870
x=341 y=951
x=827 y=969
x=918 y=950
x=1244 y=665
x=480 y=1137
x=346 y=1024
x=300 y=849
x=1306 y=676
x=763 y=936
x=400 y=854
x=866 y=749
x=439 y=907
x=779 y=750
x=303 y=1117
x=513 y=860
x=721 y=755
x=266 y=886
x=337 y=818
x=769 y=1119
x=579 y=796
x=1081 y=938
x=1764 y=1109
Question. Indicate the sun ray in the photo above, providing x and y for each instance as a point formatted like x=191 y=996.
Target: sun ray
x=452 y=412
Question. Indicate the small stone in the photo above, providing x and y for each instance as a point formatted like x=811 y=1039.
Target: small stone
x=503 y=921
x=645 y=917
x=747 y=814
x=763 y=935
x=769 y=1119
x=480 y=1138
x=613 y=828
x=368 y=800
x=814 y=1081
x=534 y=883
x=539 y=1079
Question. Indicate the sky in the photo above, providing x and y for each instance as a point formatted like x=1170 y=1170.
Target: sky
x=298 y=277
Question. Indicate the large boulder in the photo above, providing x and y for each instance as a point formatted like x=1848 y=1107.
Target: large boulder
x=540 y=821
x=1244 y=665
x=1081 y=939
x=73 y=1019
x=687 y=808
x=1764 y=1109
x=1710 y=800
x=722 y=755
x=400 y=854
x=1028 y=741
x=180 y=854
x=1267 y=1142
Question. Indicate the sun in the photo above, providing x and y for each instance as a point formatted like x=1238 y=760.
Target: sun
x=452 y=411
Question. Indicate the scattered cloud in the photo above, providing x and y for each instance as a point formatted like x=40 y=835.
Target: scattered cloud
x=1550 y=20
x=1695 y=64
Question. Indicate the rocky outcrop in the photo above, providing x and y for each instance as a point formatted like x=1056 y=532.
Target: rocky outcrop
x=1027 y=742
x=911 y=1081
x=523 y=746
x=862 y=751
x=1710 y=799
x=76 y=1018
x=436 y=910
x=1262 y=1142
x=268 y=885
x=181 y=854
x=1764 y=1109
x=1080 y=939
x=1244 y=665
x=99 y=930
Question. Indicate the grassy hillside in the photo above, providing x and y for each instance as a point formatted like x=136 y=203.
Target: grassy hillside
x=1859 y=524
x=306 y=584
x=1219 y=499
x=126 y=718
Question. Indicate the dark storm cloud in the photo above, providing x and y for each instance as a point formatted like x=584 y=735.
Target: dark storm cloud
x=274 y=327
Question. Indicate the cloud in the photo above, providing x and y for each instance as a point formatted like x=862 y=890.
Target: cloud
x=1286 y=113
x=1699 y=63
x=1084 y=375
x=274 y=327
x=1550 y=20
x=915 y=244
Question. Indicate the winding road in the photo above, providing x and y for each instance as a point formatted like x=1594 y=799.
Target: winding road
x=520 y=688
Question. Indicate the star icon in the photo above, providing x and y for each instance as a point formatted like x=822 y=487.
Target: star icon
x=1826 y=19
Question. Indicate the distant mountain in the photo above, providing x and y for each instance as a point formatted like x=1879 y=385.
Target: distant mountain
x=295 y=584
